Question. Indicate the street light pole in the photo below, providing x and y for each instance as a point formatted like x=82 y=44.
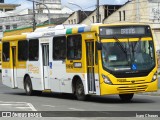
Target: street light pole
x=80 y=8
x=34 y=20
x=49 y=19
x=98 y=12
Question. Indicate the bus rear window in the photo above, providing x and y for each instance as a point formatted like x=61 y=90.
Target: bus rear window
x=6 y=52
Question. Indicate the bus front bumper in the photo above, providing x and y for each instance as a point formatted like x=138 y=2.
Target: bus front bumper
x=125 y=89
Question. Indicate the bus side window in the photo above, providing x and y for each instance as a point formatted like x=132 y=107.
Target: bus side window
x=74 y=47
x=33 y=50
x=59 y=48
x=6 y=52
x=22 y=50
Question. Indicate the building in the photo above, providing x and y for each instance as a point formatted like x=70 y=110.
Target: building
x=90 y=17
x=55 y=9
x=5 y=10
x=53 y=5
x=137 y=11
x=7 y=7
x=104 y=12
x=16 y=19
x=77 y=17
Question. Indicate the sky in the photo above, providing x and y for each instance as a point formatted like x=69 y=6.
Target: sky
x=84 y=4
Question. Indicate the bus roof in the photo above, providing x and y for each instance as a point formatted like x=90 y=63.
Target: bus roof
x=14 y=37
x=61 y=30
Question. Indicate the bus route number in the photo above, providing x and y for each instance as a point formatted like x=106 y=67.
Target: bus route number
x=69 y=66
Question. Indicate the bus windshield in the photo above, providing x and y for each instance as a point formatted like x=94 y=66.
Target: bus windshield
x=128 y=55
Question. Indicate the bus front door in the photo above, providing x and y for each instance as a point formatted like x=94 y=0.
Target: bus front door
x=14 y=83
x=90 y=66
x=45 y=59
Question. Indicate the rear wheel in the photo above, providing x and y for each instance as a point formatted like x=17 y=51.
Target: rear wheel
x=80 y=94
x=126 y=97
x=28 y=86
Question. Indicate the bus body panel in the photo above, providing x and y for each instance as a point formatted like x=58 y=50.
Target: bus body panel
x=20 y=78
x=6 y=77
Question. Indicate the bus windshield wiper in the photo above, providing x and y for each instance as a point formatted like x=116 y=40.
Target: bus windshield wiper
x=120 y=45
x=137 y=43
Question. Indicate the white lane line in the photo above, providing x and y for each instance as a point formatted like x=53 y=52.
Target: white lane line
x=23 y=107
x=5 y=104
x=48 y=105
x=75 y=109
x=11 y=103
x=31 y=106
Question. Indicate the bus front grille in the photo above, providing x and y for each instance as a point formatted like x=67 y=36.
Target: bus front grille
x=132 y=89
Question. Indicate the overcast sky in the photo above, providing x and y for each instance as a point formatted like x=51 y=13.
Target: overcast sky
x=85 y=4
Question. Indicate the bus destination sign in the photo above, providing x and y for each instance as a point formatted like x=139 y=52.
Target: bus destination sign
x=134 y=30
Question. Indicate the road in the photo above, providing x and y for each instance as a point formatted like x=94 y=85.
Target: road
x=16 y=100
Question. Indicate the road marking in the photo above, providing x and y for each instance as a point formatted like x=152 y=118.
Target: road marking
x=20 y=105
x=48 y=105
x=5 y=104
x=23 y=108
x=76 y=109
x=32 y=107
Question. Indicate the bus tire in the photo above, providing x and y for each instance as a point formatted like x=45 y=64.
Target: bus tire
x=28 y=86
x=80 y=94
x=126 y=97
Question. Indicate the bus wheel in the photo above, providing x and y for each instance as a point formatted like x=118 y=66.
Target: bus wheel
x=126 y=97
x=28 y=86
x=80 y=91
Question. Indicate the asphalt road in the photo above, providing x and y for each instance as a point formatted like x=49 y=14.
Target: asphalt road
x=16 y=100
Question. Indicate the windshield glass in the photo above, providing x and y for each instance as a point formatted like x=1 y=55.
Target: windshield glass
x=128 y=55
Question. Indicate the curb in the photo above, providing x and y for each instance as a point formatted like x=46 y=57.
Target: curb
x=151 y=93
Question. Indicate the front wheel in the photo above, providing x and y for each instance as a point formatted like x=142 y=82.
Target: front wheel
x=126 y=97
x=80 y=91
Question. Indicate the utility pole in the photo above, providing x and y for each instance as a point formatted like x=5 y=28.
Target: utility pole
x=34 y=20
x=98 y=11
x=137 y=11
x=49 y=18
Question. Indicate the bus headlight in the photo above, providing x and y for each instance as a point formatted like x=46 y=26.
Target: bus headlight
x=106 y=80
x=154 y=77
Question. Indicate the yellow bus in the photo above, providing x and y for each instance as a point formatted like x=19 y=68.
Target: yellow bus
x=100 y=59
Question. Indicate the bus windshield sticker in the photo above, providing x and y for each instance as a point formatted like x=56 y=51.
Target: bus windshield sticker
x=50 y=65
x=134 y=67
x=112 y=57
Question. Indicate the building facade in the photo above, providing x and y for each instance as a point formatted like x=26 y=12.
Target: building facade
x=24 y=18
x=7 y=7
x=55 y=10
x=104 y=12
x=77 y=17
x=53 y=5
x=90 y=17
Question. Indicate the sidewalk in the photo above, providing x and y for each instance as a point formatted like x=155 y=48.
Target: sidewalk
x=152 y=93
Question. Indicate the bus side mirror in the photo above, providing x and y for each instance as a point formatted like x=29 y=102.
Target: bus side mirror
x=99 y=45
